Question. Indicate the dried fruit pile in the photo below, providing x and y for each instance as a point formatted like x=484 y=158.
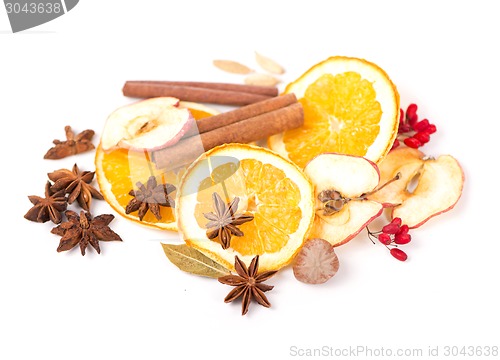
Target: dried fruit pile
x=248 y=209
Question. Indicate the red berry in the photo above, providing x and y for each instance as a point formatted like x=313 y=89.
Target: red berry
x=422 y=136
x=403 y=128
x=403 y=238
x=431 y=129
x=395 y=144
x=401 y=116
x=421 y=125
x=384 y=238
x=412 y=109
x=399 y=254
x=411 y=114
x=403 y=229
x=390 y=228
x=396 y=221
x=412 y=142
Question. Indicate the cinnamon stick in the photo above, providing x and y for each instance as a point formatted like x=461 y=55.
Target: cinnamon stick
x=244 y=131
x=230 y=117
x=254 y=89
x=215 y=93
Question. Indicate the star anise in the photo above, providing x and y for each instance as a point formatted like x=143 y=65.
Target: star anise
x=84 y=230
x=224 y=222
x=76 y=184
x=48 y=208
x=248 y=284
x=72 y=146
x=150 y=197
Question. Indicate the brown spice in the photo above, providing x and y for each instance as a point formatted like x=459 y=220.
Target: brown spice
x=48 y=208
x=243 y=125
x=230 y=87
x=84 y=230
x=248 y=284
x=72 y=146
x=204 y=92
x=231 y=117
x=316 y=262
x=76 y=184
x=224 y=221
x=150 y=197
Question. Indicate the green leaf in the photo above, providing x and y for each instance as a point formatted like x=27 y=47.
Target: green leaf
x=192 y=261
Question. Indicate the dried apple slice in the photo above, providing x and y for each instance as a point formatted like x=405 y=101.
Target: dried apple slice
x=406 y=162
x=438 y=190
x=427 y=187
x=341 y=182
x=150 y=124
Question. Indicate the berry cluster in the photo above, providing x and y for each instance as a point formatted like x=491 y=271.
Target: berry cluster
x=411 y=131
x=392 y=235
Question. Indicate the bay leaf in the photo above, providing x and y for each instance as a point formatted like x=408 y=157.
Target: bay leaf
x=192 y=261
x=232 y=67
x=268 y=64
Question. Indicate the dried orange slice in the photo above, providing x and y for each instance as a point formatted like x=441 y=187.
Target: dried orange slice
x=350 y=107
x=118 y=171
x=272 y=189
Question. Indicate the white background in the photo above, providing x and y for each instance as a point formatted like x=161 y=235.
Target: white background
x=130 y=302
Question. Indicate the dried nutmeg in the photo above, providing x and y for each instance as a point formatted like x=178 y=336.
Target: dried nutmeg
x=316 y=263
